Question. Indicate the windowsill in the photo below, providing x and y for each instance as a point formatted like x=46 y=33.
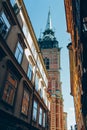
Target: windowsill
x=24 y=115
x=8 y=106
x=34 y=120
x=40 y=125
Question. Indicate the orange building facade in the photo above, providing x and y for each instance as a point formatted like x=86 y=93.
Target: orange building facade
x=76 y=18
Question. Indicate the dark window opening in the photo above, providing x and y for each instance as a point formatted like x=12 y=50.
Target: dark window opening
x=46 y=61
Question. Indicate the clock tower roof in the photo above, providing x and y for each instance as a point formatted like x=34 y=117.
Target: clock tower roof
x=48 y=40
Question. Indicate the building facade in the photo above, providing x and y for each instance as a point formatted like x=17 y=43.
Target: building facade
x=24 y=101
x=76 y=17
x=51 y=55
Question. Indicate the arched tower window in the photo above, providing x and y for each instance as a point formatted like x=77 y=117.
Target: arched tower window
x=46 y=61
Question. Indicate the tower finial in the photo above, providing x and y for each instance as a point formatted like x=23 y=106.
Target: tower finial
x=49 y=21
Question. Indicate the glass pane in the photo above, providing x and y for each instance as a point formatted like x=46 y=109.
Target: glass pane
x=36 y=83
x=20 y=47
x=40 y=117
x=35 y=105
x=25 y=102
x=4 y=25
x=19 y=53
x=19 y=58
x=29 y=74
x=13 y=2
x=44 y=120
x=35 y=111
x=8 y=94
x=9 y=89
x=5 y=20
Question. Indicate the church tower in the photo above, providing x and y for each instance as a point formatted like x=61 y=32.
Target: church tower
x=51 y=54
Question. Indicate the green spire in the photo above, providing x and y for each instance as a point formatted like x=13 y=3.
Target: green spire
x=49 y=22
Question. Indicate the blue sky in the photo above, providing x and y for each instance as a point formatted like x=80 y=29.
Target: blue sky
x=38 y=11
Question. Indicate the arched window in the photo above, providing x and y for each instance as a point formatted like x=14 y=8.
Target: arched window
x=46 y=61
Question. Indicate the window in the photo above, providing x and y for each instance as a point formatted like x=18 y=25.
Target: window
x=4 y=25
x=45 y=100
x=12 y=2
x=53 y=86
x=44 y=116
x=25 y=102
x=30 y=72
x=9 y=88
x=46 y=61
x=19 y=53
x=35 y=111
x=15 y=6
x=40 y=116
x=85 y=24
x=41 y=93
x=36 y=83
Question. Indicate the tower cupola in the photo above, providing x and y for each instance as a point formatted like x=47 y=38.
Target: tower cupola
x=48 y=40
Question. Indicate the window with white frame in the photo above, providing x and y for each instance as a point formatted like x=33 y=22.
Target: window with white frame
x=40 y=116
x=30 y=72
x=44 y=116
x=35 y=111
x=19 y=53
x=36 y=83
x=4 y=25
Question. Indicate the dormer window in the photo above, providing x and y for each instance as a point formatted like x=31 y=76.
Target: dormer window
x=4 y=25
